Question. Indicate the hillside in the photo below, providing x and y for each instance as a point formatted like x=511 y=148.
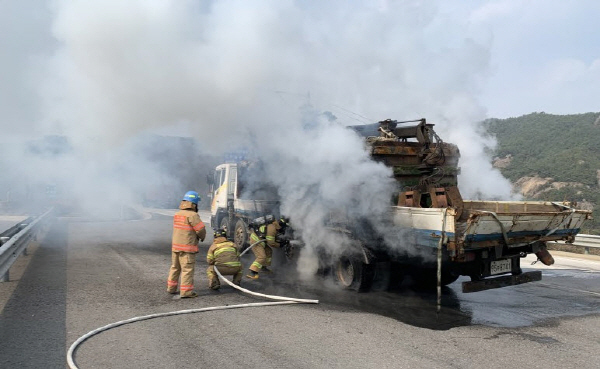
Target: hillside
x=552 y=157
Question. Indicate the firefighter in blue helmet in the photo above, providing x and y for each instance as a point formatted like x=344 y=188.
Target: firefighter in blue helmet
x=192 y=196
x=188 y=230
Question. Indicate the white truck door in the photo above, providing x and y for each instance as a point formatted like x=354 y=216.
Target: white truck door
x=220 y=194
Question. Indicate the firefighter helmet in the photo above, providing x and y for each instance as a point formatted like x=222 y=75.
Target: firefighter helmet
x=221 y=232
x=192 y=196
x=283 y=222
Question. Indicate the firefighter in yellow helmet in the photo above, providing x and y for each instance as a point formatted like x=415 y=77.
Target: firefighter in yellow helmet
x=188 y=229
x=263 y=252
x=226 y=257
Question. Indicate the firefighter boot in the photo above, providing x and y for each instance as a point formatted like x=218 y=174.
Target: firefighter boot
x=252 y=275
x=214 y=284
x=237 y=278
x=191 y=295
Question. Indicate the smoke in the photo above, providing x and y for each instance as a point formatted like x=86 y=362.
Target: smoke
x=236 y=74
x=324 y=173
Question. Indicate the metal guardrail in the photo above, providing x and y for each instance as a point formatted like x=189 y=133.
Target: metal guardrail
x=14 y=242
x=585 y=241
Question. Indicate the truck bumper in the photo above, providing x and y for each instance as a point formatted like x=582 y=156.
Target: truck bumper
x=502 y=281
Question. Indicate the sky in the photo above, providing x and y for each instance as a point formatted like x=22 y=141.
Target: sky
x=236 y=73
x=536 y=55
x=544 y=55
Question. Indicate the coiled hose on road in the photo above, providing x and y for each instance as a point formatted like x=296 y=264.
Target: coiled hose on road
x=284 y=301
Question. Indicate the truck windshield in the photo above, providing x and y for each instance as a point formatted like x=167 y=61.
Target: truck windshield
x=219 y=178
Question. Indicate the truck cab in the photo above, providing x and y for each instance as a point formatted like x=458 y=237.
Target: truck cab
x=239 y=195
x=222 y=189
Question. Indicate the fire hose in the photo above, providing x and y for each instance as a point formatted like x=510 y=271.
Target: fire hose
x=284 y=301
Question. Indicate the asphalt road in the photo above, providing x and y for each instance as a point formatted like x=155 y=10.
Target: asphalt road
x=85 y=274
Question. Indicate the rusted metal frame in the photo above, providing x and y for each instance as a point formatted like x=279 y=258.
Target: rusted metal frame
x=438 y=197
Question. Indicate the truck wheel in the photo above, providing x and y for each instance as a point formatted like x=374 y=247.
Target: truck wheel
x=224 y=223
x=240 y=237
x=353 y=274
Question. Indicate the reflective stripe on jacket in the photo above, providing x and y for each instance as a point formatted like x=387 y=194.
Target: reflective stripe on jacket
x=223 y=252
x=272 y=229
x=270 y=234
x=188 y=229
x=254 y=239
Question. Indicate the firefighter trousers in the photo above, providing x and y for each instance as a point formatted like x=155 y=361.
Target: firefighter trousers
x=182 y=265
x=263 y=256
x=213 y=278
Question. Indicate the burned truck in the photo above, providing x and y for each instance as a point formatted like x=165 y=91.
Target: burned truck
x=428 y=231
x=445 y=236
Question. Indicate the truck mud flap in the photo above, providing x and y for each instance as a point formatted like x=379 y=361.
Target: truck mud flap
x=503 y=281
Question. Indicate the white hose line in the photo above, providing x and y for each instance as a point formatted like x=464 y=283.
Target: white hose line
x=73 y=347
x=272 y=297
x=251 y=246
x=286 y=301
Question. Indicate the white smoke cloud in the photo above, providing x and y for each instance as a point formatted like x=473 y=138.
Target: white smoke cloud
x=235 y=73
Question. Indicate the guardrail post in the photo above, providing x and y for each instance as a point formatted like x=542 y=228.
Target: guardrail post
x=586 y=250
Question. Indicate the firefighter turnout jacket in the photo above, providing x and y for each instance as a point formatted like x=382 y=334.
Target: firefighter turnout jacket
x=223 y=252
x=262 y=252
x=225 y=256
x=270 y=235
x=188 y=229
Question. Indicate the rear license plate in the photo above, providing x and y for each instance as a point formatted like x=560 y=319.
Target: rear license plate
x=500 y=266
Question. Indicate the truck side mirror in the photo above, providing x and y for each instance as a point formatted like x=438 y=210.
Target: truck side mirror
x=209 y=180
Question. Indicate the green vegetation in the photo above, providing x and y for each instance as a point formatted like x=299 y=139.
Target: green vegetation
x=565 y=148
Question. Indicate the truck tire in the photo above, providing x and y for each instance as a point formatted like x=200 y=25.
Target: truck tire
x=352 y=273
x=224 y=223
x=240 y=235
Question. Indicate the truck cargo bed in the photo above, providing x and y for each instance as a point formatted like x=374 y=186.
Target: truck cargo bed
x=492 y=223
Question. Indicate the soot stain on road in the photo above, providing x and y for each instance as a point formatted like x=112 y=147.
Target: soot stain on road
x=505 y=308
x=411 y=306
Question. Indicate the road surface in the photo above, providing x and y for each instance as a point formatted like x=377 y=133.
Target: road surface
x=86 y=274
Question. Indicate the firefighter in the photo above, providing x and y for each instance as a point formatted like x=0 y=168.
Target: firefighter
x=226 y=257
x=263 y=252
x=188 y=229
